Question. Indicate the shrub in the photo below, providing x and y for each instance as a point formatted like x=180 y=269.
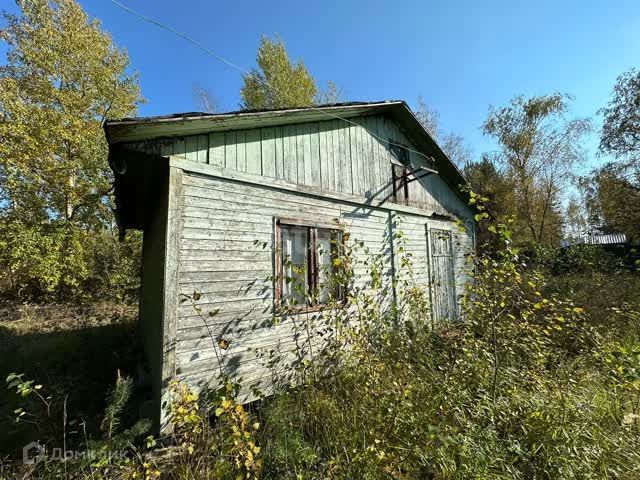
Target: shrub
x=57 y=261
x=520 y=388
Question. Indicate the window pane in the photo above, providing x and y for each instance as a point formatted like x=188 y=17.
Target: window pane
x=325 y=268
x=294 y=259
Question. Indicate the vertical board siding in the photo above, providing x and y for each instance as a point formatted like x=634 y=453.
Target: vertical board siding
x=279 y=142
x=216 y=149
x=314 y=157
x=230 y=150
x=268 y=153
x=300 y=154
x=192 y=148
x=253 y=152
x=290 y=157
x=241 y=150
x=203 y=148
x=352 y=158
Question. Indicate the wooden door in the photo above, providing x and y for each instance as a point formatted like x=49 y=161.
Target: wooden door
x=441 y=274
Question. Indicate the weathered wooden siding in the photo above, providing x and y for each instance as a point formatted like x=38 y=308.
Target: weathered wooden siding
x=152 y=291
x=333 y=155
x=227 y=256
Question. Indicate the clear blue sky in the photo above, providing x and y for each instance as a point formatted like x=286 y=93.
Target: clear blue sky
x=460 y=55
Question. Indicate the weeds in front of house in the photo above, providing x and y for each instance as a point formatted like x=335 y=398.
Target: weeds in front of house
x=528 y=384
x=535 y=380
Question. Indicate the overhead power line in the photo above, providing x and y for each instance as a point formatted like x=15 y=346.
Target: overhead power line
x=257 y=77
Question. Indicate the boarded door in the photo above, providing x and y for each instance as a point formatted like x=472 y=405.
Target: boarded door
x=441 y=273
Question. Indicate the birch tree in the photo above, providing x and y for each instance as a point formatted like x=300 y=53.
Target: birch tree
x=63 y=78
x=538 y=148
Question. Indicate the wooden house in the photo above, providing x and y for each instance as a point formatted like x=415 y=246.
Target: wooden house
x=222 y=198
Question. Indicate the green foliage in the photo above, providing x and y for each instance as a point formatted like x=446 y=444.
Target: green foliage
x=58 y=261
x=538 y=150
x=116 y=401
x=621 y=129
x=223 y=449
x=612 y=198
x=576 y=259
x=277 y=83
x=63 y=78
x=498 y=190
x=280 y=83
x=113 y=456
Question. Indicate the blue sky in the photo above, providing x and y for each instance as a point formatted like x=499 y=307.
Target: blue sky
x=461 y=56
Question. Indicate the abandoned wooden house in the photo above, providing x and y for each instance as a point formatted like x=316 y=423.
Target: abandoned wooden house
x=228 y=202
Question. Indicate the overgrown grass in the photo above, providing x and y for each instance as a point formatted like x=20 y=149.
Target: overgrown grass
x=74 y=352
x=540 y=379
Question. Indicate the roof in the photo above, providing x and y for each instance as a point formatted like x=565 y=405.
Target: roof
x=245 y=111
x=610 y=239
x=193 y=123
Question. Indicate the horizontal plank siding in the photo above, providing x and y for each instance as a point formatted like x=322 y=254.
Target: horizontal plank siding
x=226 y=256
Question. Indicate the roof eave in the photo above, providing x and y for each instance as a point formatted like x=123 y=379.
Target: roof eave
x=132 y=130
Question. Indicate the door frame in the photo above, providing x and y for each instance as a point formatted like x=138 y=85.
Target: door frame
x=447 y=228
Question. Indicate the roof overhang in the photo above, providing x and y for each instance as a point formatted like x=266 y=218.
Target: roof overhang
x=147 y=128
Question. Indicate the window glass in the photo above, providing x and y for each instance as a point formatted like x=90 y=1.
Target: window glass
x=325 y=248
x=306 y=265
x=400 y=176
x=295 y=242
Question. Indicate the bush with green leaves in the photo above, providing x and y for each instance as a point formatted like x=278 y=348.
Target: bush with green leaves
x=57 y=261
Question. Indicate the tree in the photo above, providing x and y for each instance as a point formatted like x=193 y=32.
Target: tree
x=277 y=82
x=615 y=188
x=429 y=118
x=621 y=127
x=489 y=181
x=538 y=149
x=452 y=145
x=455 y=147
x=203 y=98
x=577 y=223
x=332 y=94
x=612 y=200
x=62 y=79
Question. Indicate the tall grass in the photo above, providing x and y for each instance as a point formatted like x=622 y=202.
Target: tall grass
x=539 y=379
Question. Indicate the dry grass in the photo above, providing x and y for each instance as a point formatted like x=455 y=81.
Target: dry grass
x=72 y=349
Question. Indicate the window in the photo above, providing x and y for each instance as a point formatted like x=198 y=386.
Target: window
x=400 y=173
x=305 y=267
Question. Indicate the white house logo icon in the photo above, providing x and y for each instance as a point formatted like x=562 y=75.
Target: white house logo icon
x=32 y=453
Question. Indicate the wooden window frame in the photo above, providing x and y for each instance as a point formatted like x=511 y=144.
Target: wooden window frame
x=400 y=171
x=312 y=260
